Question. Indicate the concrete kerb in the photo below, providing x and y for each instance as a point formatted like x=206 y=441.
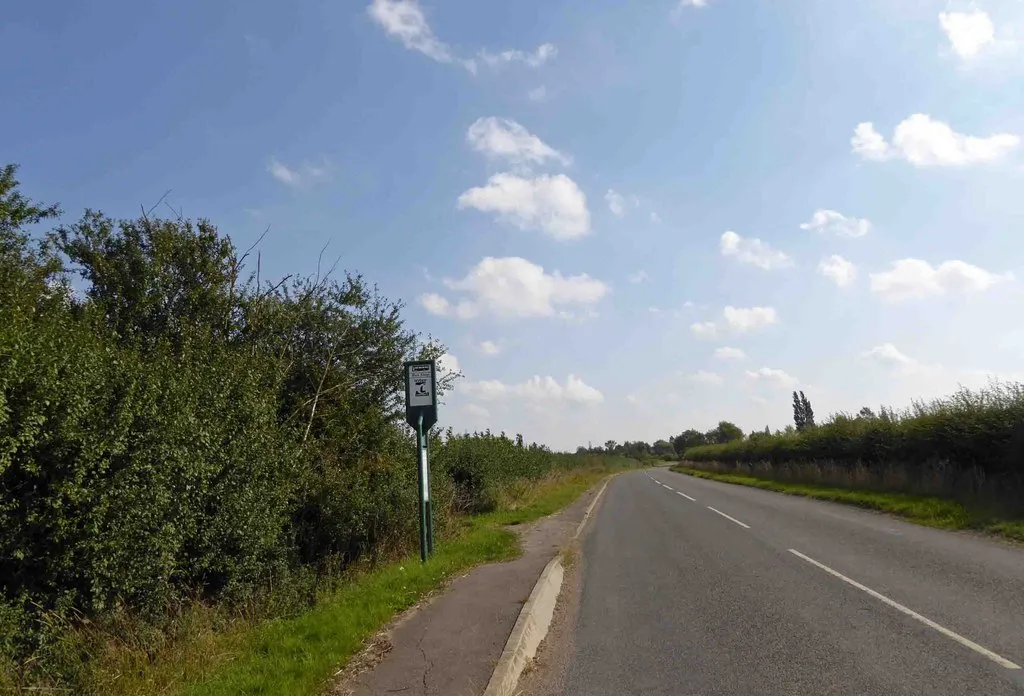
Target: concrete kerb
x=534 y=619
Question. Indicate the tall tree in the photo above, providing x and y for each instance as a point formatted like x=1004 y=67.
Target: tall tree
x=799 y=419
x=808 y=411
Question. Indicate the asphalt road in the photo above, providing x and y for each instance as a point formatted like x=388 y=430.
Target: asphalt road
x=694 y=587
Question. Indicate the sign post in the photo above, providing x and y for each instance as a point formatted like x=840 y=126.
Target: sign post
x=421 y=414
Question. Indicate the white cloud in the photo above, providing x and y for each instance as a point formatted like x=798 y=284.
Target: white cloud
x=542 y=55
x=753 y=252
x=869 y=143
x=727 y=353
x=968 y=32
x=489 y=348
x=514 y=288
x=538 y=94
x=737 y=320
x=925 y=142
x=768 y=374
x=705 y=329
x=742 y=320
x=435 y=304
x=507 y=139
x=616 y=203
x=709 y=378
x=306 y=174
x=691 y=3
x=448 y=364
x=477 y=412
x=553 y=204
x=838 y=269
x=887 y=354
x=404 y=20
x=536 y=391
x=832 y=222
x=916 y=279
x=638 y=277
x=655 y=218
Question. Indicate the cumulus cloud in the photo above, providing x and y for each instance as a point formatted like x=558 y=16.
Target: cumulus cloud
x=925 y=142
x=737 y=320
x=910 y=279
x=838 y=270
x=743 y=320
x=537 y=58
x=616 y=203
x=638 y=277
x=514 y=288
x=832 y=222
x=448 y=364
x=727 y=353
x=753 y=252
x=768 y=374
x=405 y=21
x=489 y=348
x=301 y=176
x=536 y=391
x=704 y=329
x=504 y=138
x=710 y=379
x=890 y=355
x=477 y=412
x=553 y=204
x=683 y=4
x=968 y=32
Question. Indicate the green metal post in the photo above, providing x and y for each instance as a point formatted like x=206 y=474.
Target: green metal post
x=426 y=486
x=422 y=466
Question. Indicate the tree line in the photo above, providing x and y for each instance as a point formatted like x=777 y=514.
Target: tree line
x=175 y=426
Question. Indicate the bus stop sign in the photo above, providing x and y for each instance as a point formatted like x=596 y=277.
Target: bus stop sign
x=420 y=393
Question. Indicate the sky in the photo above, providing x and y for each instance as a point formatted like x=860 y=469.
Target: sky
x=623 y=219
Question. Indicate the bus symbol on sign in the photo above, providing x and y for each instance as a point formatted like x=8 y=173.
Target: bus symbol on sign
x=422 y=392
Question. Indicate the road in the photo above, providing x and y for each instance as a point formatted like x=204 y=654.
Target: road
x=690 y=587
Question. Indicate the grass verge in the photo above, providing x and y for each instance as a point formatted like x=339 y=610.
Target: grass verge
x=924 y=510
x=299 y=655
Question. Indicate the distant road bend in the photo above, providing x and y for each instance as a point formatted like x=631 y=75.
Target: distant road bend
x=696 y=587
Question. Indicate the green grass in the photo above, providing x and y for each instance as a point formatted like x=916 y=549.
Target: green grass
x=299 y=655
x=924 y=510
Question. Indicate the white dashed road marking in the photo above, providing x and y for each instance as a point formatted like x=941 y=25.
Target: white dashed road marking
x=999 y=660
x=686 y=496
x=731 y=519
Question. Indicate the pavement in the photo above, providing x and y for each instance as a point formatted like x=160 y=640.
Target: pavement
x=687 y=586
x=450 y=644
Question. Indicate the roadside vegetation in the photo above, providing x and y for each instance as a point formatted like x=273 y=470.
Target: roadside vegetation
x=955 y=462
x=192 y=456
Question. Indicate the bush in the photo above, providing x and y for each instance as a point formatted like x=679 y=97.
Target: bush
x=972 y=441
x=179 y=433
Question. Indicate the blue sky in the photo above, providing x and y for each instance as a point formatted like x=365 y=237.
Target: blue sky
x=623 y=218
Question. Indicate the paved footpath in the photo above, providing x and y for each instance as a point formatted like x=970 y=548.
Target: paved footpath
x=449 y=646
x=694 y=587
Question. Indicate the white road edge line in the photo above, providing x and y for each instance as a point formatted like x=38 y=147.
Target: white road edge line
x=732 y=519
x=686 y=496
x=998 y=659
